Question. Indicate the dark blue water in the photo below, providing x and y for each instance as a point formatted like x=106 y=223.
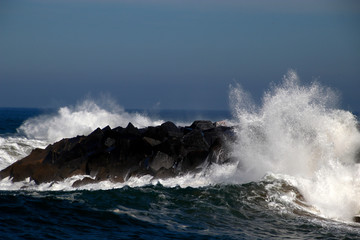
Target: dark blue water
x=11 y=118
x=220 y=211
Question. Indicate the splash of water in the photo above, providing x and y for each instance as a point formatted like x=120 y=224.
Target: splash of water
x=81 y=119
x=299 y=132
x=297 y=135
x=15 y=148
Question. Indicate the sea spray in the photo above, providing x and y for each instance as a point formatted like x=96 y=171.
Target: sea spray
x=81 y=119
x=15 y=148
x=298 y=131
x=296 y=138
x=67 y=122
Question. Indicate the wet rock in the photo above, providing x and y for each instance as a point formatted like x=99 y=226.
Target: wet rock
x=164 y=173
x=152 y=142
x=171 y=130
x=120 y=153
x=195 y=140
x=161 y=160
x=356 y=218
x=202 y=125
x=194 y=160
x=84 y=181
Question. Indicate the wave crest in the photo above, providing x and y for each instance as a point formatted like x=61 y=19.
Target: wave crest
x=81 y=119
x=298 y=131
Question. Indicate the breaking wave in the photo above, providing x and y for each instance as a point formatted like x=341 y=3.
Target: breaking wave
x=299 y=132
x=81 y=119
x=297 y=146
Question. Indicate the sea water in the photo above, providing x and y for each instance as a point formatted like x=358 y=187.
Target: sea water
x=294 y=175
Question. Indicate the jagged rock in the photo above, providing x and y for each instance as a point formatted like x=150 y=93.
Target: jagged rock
x=161 y=160
x=202 y=125
x=193 y=160
x=152 y=142
x=195 y=140
x=171 y=130
x=120 y=153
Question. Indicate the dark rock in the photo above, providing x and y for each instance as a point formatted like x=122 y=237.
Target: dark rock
x=193 y=160
x=155 y=133
x=161 y=160
x=195 y=140
x=164 y=173
x=356 y=218
x=218 y=152
x=202 y=125
x=120 y=153
x=172 y=147
x=152 y=142
x=84 y=181
x=171 y=130
x=132 y=130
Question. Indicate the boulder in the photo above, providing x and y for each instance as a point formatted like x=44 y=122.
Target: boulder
x=120 y=153
x=195 y=140
x=171 y=130
x=161 y=160
x=202 y=125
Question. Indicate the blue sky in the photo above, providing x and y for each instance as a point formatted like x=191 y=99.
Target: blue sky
x=173 y=54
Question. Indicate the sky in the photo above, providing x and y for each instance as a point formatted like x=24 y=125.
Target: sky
x=173 y=54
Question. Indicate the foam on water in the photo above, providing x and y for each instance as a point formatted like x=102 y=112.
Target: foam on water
x=81 y=119
x=299 y=132
x=15 y=148
x=297 y=136
x=70 y=121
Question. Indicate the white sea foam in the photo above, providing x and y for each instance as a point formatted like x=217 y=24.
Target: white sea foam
x=67 y=122
x=15 y=148
x=81 y=119
x=299 y=132
x=297 y=135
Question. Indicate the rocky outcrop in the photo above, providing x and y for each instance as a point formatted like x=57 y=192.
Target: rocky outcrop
x=120 y=153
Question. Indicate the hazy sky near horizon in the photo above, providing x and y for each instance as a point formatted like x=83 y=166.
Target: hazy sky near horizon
x=173 y=54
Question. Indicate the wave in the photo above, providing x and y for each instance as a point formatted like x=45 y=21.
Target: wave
x=297 y=144
x=68 y=121
x=14 y=148
x=298 y=131
x=81 y=119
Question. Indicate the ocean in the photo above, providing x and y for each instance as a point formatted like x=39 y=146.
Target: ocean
x=295 y=174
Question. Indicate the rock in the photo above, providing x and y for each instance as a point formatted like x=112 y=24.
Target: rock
x=161 y=160
x=84 y=181
x=202 y=125
x=195 y=140
x=109 y=142
x=132 y=130
x=164 y=173
x=356 y=218
x=171 y=130
x=152 y=142
x=193 y=160
x=221 y=123
x=120 y=153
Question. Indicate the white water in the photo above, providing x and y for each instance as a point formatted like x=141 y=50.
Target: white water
x=81 y=119
x=297 y=134
x=69 y=121
x=15 y=148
